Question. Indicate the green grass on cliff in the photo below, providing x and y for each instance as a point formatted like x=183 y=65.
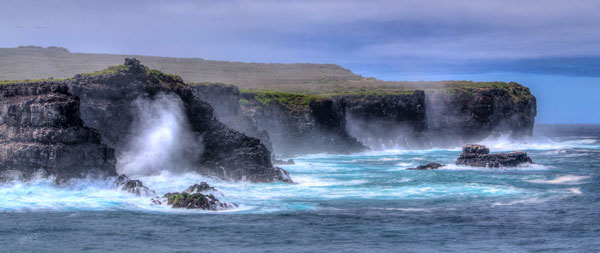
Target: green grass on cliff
x=287 y=99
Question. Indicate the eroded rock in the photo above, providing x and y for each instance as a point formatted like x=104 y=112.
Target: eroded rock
x=478 y=156
x=133 y=186
x=429 y=166
x=193 y=198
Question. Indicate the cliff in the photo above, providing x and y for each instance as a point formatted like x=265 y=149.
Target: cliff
x=41 y=131
x=299 y=123
x=466 y=112
x=107 y=105
x=448 y=115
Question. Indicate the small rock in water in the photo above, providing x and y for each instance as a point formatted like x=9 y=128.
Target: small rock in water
x=192 y=198
x=133 y=186
x=197 y=201
x=479 y=156
x=202 y=187
x=283 y=162
x=429 y=166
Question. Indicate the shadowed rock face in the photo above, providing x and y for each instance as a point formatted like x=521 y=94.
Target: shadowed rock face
x=387 y=121
x=468 y=115
x=318 y=126
x=59 y=126
x=225 y=99
x=106 y=105
x=478 y=156
x=40 y=130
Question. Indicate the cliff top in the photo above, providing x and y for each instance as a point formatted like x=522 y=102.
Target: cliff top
x=56 y=64
x=132 y=66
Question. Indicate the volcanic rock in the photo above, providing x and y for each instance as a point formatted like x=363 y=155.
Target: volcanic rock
x=41 y=131
x=429 y=166
x=133 y=186
x=478 y=156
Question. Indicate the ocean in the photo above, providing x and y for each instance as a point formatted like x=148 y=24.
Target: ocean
x=364 y=202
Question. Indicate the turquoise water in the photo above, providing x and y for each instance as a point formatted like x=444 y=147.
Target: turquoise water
x=360 y=202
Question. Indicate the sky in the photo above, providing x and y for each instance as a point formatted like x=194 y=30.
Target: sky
x=551 y=46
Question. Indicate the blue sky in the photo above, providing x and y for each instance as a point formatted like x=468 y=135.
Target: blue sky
x=550 y=46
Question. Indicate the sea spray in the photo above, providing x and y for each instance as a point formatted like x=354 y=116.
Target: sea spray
x=162 y=138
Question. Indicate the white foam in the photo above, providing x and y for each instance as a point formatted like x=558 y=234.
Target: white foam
x=524 y=166
x=576 y=191
x=566 y=179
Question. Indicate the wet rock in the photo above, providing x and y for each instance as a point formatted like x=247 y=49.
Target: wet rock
x=429 y=166
x=133 y=186
x=478 y=156
x=283 y=162
x=202 y=187
x=192 y=198
x=106 y=105
x=197 y=201
x=41 y=131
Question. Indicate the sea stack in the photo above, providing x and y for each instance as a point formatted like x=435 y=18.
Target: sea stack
x=479 y=156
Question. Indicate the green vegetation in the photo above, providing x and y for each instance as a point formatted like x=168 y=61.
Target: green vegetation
x=515 y=90
x=2 y=82
x=108 y=71
x=290 y=84
x=287 y=99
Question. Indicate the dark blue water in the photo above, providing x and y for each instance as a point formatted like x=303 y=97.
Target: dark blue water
x=353 y=203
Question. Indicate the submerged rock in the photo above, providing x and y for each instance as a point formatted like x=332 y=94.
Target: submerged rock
x=133 y=186
x=429 y=166
x=478 y=156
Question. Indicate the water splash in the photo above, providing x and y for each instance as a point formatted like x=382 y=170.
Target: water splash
x=162 y=140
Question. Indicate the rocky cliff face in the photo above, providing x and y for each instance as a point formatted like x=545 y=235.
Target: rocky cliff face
x=446 y=116
x=106 y=105
x=58 y=126
x=41 y=131
x=387 y=120
x=463 y=115
x=297 y=124
x=225 y=99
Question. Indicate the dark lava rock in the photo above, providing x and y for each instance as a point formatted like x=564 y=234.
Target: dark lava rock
x=192 y=198
x=478 y=156
x=283 y=162
x=106 y=105
x=202 y=187
x=133 y=186
x=429 y=166
x=41 y=131
x=197 y=201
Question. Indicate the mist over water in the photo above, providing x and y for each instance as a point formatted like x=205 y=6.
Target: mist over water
x=161 y=140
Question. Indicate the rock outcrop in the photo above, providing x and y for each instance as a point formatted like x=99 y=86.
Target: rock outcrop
x=436 y=117
x=469 y=114
x=135 y=187
x=195 y=197
x=70 y=127
x=429 y=166
x=299 y=124
x=225 y=99
x=106 y=105
x=41 y=131
x=479 y=156
x=387 y=120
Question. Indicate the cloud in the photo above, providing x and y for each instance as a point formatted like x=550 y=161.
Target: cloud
x=343 y=32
